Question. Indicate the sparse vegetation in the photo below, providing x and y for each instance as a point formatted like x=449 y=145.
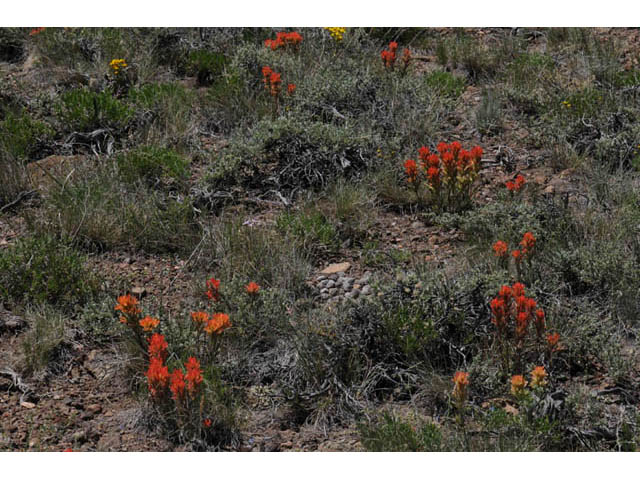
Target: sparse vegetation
x=296 y=242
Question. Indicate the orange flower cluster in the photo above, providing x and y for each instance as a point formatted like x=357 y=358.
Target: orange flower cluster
x=213 y=325
x=538 y=380
x=461 y=382
x=213 y=289
x=149 y=323
x=500 y=248
x=158 y=347
x=272 y=81
x=217 y=324
x=516 y=186
x=527 y=245
x=128 y=305
x=291 y=89
x=449 y=173
x=518 y=383
x=200 y=318
x=158 y=373
x=511 y=306
x=193 y=376
x=552 y=340
x=284 y=39
x=538 y=377
x=36 y=31
x=177 y=385
x=252 y=288
x=389 y=57
x=411 y=169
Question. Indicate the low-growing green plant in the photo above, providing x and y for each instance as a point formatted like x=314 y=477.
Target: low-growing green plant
x=246 y=249
x=289 y=156
x=21 y=135
x=12 y=44
x=84 y=110
x=489 y=113
x=207 y=66
x=311 y=228
x=391 y=434
x=446 y=83
x=44 y=344
x=98 y=210
x=14 y=180
x=167 y=110
x=153 y=165
x=45 y=269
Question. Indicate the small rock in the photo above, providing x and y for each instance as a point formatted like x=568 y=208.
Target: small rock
x=320 y=278
x=357 y=286
x=416 y=224
x=109 y=442
x=340 y=274
x=94 y=408
x=347 y=280
x=27 y=405
x=353 y=294
x=139 y=292
x=324 y=296
x=365 y=278
x=79 y=437
x=333 y=291
x=366 y=290
x=86 y=415
x=324 y=290
x=330 y=284
x=336 y=268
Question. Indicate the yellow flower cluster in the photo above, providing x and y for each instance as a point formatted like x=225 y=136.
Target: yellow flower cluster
x=116 y=64
x=336 y=32
x=566 y=104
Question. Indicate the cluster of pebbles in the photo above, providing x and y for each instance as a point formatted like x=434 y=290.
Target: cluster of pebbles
x=337 y=286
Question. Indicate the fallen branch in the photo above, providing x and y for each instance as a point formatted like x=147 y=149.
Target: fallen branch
x=26 y=390
x=21 y=196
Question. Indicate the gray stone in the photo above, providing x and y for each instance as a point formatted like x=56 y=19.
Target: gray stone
x=365 y=278
x=353 y=294
x=366 y=290
x=330 y=284
x=324 y=290
x=324 y=296
x=347 y=280
x=320 y=278
x=333 y=291
x=79 y=437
